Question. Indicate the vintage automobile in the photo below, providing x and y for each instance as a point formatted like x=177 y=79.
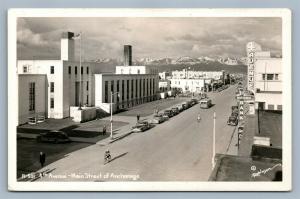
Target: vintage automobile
x=169 y=113
x=232 y=120
x=180 y=108
x=157 y=119
x=205 y=103
x=194 y=101
x=175 y=110
x=53 y=136
x=141 y=127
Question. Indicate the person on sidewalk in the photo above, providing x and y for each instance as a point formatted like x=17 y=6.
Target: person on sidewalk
x=42 y=158
x=138 y=117
x=104 y=130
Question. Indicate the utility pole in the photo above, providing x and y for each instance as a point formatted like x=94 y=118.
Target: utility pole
x=80 y=69
x=111 y=119
x=214 y=142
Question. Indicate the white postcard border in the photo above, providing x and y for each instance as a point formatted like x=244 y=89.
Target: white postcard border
x=285 y=185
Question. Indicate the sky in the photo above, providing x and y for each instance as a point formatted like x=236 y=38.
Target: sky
x=39 y=38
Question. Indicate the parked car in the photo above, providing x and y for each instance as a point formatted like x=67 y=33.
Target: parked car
x=175 y=110
x=180 y=108
x=53 y=136
x=184 y=106
x=157 y=119
x=194 y=101
x=141 y=126
x=169 y=113
x=232 y=120
x=205 y=103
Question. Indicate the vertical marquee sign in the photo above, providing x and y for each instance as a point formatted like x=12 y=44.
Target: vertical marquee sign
x=252 y=47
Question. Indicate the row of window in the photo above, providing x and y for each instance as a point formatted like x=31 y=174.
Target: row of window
x=268 y=76
x=147 y=83
x=52 y=86
x=75 y=70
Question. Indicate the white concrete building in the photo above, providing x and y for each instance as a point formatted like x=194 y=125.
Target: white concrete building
x=164 y=75
x=190 y=85
x=128 y=90
x=266 y=74
x=33 y=92
x=62 y=85
x=191 y=74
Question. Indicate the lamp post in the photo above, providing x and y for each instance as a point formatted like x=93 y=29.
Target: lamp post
x=214 y=142
x=111 y=113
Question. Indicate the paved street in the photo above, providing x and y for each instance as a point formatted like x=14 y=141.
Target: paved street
x=179 y=149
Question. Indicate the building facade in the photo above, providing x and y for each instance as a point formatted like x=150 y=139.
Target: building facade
x=191 y=74
x=190 y=85
x=69 y=83
x=124 y=91
x=264 y=78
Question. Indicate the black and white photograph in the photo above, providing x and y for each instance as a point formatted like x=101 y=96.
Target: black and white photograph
x=149 y=100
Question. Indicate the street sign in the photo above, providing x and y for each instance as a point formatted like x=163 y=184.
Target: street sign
x=244 y=97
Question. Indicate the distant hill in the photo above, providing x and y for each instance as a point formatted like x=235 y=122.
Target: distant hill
x=211 y=66
x=109 y=67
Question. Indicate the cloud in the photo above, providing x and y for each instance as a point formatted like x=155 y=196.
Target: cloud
x=150 y=37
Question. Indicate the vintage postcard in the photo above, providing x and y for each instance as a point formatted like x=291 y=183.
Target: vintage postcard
x=149 y=100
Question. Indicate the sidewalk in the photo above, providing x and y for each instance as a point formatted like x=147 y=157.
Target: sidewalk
x=250 y=129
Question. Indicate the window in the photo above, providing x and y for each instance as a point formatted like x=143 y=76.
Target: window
x=51 y=87
x=25 y=69
x=81 y=70
x=276 y=76
x=270 y=107
x=51 y=102
x=87 y=99
x=140 y=88
x=270 y=76
x=75 y=70
x=112 y=86
x=153 y=86
x=123 y=90
x=279 y=107
x=263 y=76
x=87 y=70
x=127 y=89
x=118 y=89
x=51 y=69
x=87 y=85
x=31 y=96
x=106 y=92
x=147 y=88
x=132 y=89
x=136 y=88
x=112 y=89
x=143 y=87
x=70 y=68
x=150 y=86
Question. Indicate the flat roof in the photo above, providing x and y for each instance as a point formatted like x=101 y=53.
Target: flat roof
x=270 y=125
x=29 y=74
x=241 y=168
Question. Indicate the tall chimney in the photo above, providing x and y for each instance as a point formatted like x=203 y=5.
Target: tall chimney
x=67 y=51
x=127 y=55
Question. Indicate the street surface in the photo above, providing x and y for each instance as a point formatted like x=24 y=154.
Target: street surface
x=177 y=150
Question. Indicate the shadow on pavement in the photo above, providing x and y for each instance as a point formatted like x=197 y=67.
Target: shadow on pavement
x=119 y=156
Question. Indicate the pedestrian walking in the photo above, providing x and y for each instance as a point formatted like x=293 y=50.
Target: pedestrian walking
x=104 y=130
x=42 y=158
x=138 y=117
